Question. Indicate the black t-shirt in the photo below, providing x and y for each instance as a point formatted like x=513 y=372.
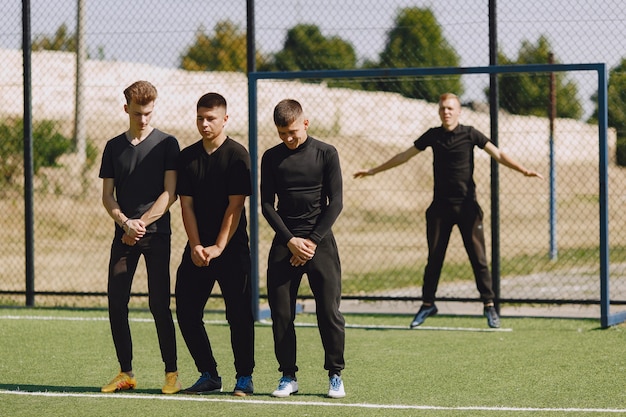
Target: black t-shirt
x=138 y=171
x=308 y=184
x=210 y=180
x=453 y=161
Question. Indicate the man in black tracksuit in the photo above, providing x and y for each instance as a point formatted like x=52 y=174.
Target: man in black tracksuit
x=304 y=174
x=454 y=201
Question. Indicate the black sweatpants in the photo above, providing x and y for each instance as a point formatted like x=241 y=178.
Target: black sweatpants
x=155 y=248
x=283 y=281
x=193 y=288
x=440 y=219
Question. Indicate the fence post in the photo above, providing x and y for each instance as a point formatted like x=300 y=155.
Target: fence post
x=29 y=229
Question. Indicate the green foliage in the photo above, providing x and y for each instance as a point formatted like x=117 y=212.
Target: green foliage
x=417 y=41
x=91 y=154
x=224 y=51
x=616 y=98
x=62 y=40
x=11 y=134
x=48 y=145
x=306 y=49
x=528 y=93
x=620 y=150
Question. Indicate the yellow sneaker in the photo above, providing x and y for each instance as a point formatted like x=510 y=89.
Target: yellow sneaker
x=172 y=384
x=121 y=382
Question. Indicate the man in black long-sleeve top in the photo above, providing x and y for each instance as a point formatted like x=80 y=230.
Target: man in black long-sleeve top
x=304 y=174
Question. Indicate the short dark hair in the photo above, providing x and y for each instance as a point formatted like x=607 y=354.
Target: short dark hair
x=286 y=112
x=211 y=100
x=141 y=92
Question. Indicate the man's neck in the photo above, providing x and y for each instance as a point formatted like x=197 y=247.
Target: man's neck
x=136 y=137
x=450 y=128
x=210 y=145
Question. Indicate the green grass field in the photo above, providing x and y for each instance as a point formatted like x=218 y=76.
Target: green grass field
x=53 y=362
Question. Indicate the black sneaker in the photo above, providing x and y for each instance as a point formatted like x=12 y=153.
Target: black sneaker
x=244 y=386
x=493 y=320
x=205 y=384
x=423 y=313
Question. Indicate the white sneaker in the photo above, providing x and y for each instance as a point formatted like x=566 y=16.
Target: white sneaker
x=335 y=387
x=286 y=387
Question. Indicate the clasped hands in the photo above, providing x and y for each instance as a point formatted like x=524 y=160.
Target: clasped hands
x=302 y=250
x=201 y=256
x=136 y=229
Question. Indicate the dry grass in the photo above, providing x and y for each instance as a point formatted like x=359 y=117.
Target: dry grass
x=381 y=227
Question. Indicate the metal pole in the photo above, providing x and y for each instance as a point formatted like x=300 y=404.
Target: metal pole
x=606 y=319
x=80 y=134
x=253 y=149
x=552 y=117
x=494 y=107
x=29 y=230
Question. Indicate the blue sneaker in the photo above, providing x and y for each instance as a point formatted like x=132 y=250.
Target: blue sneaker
x=423 y=313
x=244 y=386
x=205 y=384
x=286 y=386
x=335 y=387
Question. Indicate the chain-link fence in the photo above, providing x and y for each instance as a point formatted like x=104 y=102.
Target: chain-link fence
x=188 y=48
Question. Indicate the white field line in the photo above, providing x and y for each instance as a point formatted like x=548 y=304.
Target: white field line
x=330 y=403
x=52 y=318
x=265 y=322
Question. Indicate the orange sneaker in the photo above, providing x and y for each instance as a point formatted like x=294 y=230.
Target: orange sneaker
x=122 y=381
x=172 y=384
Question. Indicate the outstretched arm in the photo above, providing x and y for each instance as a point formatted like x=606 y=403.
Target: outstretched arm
x=398 y=159
x=509 y=162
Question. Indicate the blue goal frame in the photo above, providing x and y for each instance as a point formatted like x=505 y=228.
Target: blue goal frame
x=606 y=317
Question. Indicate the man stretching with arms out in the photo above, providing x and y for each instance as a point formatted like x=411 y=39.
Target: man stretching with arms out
x=454 y=201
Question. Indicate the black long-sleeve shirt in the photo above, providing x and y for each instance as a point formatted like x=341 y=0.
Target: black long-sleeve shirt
x=308 y=184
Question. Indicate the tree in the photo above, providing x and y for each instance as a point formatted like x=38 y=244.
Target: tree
x=64 y=41
x=60 y=41
x=616 y=100
x=48 y=145
x=306 y=49
x=417 y=41
x=528 y=93
x=225 y=51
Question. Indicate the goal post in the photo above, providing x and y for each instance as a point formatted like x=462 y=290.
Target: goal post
x=607 y=318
